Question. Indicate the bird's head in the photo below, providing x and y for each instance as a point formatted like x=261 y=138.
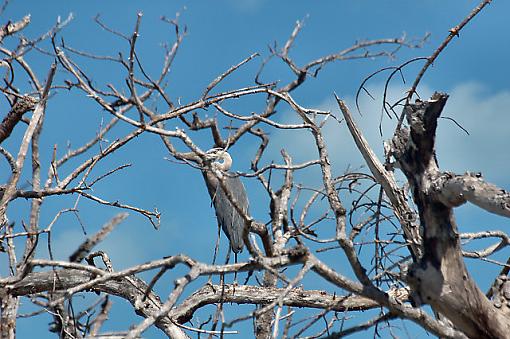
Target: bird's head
x=221 y=160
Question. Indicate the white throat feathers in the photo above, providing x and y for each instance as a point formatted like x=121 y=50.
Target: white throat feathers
x=223 y=161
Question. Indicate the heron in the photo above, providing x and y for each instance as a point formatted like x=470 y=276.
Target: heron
x=228 y=217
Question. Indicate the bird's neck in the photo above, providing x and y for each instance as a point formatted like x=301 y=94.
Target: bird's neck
x=225 y=164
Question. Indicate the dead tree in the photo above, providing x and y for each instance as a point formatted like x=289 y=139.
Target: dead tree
x=439 y=277
x=415 y=254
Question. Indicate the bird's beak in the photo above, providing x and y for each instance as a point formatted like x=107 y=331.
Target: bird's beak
x=211 y=156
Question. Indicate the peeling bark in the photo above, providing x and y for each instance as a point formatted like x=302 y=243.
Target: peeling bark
x=439 y=277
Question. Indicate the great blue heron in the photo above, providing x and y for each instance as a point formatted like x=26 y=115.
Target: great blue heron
x=228 y=217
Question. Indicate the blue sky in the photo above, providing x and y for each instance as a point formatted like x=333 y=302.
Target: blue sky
x=473 y=69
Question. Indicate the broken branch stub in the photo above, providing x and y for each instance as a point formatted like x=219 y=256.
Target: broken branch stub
x=439 y=277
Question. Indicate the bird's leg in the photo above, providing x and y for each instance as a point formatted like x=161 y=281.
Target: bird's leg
x=216 y=248
x=219 y=306
x=235 y=273
x=227 y=259
x=248 y=276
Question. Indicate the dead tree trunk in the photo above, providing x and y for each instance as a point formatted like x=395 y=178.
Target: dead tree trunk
x=439 y=277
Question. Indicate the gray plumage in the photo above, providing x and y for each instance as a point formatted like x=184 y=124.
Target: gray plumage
x=229 y=219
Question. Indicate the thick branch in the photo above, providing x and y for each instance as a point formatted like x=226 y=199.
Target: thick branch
x=22 y=105
x=210 y=294
x=130 y=288
x=454 y=190
x=440 y=277
x=405 y=215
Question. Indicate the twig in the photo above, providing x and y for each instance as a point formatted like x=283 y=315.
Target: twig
x=452 y=33
x=226 y=74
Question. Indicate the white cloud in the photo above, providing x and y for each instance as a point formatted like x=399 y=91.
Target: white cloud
x=122 y=249
x=342 y=150
x=486 y=115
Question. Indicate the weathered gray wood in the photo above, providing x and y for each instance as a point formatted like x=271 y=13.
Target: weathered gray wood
x=405 y=215
x=296 y=297
x=439 y=277
x=129 y=288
